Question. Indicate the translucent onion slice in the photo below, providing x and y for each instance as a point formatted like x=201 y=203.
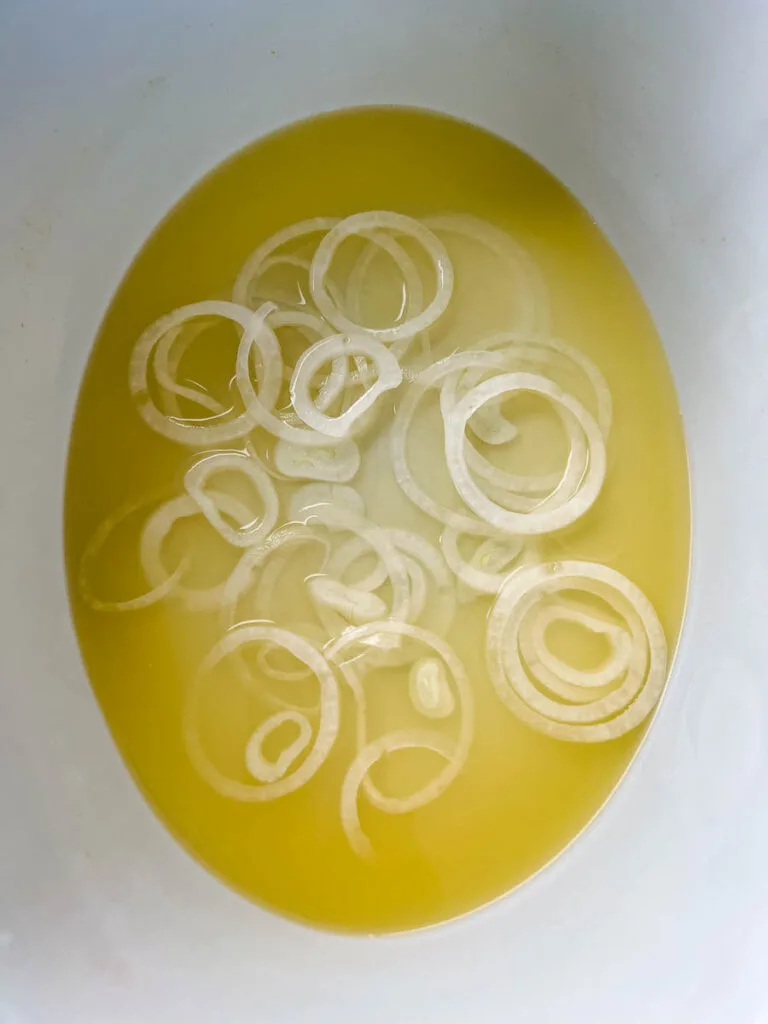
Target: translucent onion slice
x=429 y=690
x=99 y=538
x=414 y=292
x=169 y=352
x=488 y=567
x=314 y=497
x=259 y=335
x=358 y=773
x=558 y=676
x=309 y=324
x=257 y=263
x=310 y=631
x=491 y=426
x=338 y=463
x=525 y=276
x=462 y=522
x=368 y=224
x=157 y=528
x=336 y=347
x=194 y=482
x=354 y=605
x=607 y=716
x=212 y=431
x=555 y=515
x=454 y=751
x=264 y=770
x=327 y=727
x=255 y=559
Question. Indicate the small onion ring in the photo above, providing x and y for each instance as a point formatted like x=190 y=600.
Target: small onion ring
x=544 y=520
x=327 y=727
x=194 y=484
x=203 y=433
x=367 y=224
x=270 y=771
x=157 y=528
x=336 y=347
x=629 y=704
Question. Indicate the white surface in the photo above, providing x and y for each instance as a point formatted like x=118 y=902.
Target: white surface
x=654 y=113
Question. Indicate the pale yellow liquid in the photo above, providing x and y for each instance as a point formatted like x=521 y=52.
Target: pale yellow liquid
x=521 y=797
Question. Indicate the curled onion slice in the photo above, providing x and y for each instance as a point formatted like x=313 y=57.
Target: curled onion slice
x=327 y=727
x=313 y=497
x=310 y=631
x=169 y=352
x=264 y=770
x=195 y=433
x=162 y=588
x=546 y=519
x=157 y=528
x=525 y=276
x=194 y=482
x=489 y=565
x=259 y=336
x=257 y=263
x=354 y=605
x=337 y=463
x=340 y=346
x=454 y=751
x=640 y=677
x=368 y=224
x=429 y=690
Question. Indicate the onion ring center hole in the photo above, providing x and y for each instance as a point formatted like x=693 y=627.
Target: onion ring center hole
x=381 y=294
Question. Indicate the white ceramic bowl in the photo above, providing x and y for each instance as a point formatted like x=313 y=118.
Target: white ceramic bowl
x=654 y=113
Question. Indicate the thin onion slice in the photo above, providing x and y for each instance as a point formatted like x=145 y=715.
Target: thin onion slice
x=264 y=770
x=169 y=352
x=337 y=463
x=489 y=566
x=429 y=690
x=544 y=520
x=368 y=224
x=198 y=433
x=327 y=726
x=194 y=482
x=525 y=275
x=455 y=751
x=313 y=497
x=259 y=335
x=607 y=716
x=354 y=605
x=157 y=528
x=340 y=346
x=463 y=522
x=257 y=264
x=162 y=589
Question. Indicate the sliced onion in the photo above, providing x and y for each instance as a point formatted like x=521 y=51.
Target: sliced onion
x=543 y=520
x=310 y=631
x=337 y=463
x=101 y=535
x=313 y=497
x=429 y=690
x=194 y=482
x=253 y=559
x=308 y=325
x=259 y=335
x=327 y=727
x=607 y=716
x=488 y=567
x=198 y=433
x=455 y=751
x=157 y=528
x=369 y=224
x=169 y=352
x=429 y=378
x=340 y=346
x=525 y=275
x=270 y=771
x=354 y=605
x=414 y=291
x=257 y=263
